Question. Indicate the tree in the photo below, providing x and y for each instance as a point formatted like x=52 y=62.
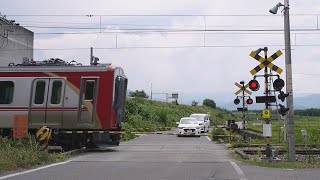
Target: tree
x=137 y=93
x=209 y=103
x=194 y=103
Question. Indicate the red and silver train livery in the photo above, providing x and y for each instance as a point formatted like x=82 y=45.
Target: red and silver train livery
x=88 y=101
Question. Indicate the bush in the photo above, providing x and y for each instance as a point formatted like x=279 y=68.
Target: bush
x=209 y=103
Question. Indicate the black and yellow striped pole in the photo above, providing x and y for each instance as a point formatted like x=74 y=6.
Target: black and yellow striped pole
x=43 y=136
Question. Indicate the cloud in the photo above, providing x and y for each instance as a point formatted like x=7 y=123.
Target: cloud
x=195 y=72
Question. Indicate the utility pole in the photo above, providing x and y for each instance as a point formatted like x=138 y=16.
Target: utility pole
x=91 y=55
x=151 y=92
x=289 y=87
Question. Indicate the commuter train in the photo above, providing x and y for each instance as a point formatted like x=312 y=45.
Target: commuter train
x=82 y=105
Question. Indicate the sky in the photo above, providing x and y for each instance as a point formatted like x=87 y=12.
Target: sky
x=196 y=64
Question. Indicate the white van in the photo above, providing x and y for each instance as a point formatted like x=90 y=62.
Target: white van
x=203 y=120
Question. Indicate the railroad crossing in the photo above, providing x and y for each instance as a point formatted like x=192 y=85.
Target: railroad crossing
x=162 y=157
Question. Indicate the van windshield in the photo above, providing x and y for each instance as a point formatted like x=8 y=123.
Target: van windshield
x=188 y=121
x=198 y=117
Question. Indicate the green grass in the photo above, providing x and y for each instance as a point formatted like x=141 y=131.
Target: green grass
x=283 y=165
x=310 y=124
x=15 y=154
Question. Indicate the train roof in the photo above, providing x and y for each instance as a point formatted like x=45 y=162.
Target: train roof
x=89 y=68
x=57 y=65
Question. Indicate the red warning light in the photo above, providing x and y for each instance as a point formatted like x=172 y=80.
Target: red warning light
x=254 y=85
x=249 y=101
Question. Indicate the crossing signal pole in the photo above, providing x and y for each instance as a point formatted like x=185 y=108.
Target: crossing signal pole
x=249 y=101
x=243 y=107
x=266 y=81
x=277 y=86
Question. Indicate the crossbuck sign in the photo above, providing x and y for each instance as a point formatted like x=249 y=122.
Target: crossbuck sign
x=266 y=62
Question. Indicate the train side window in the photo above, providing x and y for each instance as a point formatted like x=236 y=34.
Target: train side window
x=56 y=92
x=89 y=90
x=6 y=92
x=39 y=93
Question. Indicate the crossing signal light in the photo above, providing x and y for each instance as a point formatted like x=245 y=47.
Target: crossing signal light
x=282 y=96
x=254 y=85
x=236 y=101
x=278 y=84
x=249 y=101
x=283 y=110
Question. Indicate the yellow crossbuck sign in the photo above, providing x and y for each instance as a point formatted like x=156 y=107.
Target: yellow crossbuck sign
x=266 y=63
x=242 y=88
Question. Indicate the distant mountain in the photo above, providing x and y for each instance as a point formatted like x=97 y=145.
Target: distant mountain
x=225 y=100
x=309 y=101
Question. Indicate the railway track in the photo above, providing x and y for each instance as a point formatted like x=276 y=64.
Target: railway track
x=58 y=149
x=301 y=152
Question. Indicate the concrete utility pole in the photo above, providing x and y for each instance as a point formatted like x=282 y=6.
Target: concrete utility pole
x=91 y=55
x=289 y=87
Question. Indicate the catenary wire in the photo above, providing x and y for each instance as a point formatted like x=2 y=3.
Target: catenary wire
x=152 y=15
x=155 y=47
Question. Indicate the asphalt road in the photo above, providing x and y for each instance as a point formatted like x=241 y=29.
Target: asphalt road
x=160 y=157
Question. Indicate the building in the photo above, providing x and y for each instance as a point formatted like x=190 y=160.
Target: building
x=16 y=42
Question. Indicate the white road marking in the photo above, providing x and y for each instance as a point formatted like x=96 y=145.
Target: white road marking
x=32 y=170
x=208 y=138
x=239 y=171
x=288 y=169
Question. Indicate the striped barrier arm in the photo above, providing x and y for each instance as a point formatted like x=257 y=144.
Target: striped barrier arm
x=126 y=132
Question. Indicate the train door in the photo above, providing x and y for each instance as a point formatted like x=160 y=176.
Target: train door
x=46 y=106
x=88 y=100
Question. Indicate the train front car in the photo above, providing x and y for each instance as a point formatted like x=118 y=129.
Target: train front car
x=111 y=107
x=82 y=105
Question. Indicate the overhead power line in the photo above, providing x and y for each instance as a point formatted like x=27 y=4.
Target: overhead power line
x=159 y=47
x=184 y=33
x=117 y=30
x=305 y=74
x=222 y=32
x=167 y=29
x=150 y=15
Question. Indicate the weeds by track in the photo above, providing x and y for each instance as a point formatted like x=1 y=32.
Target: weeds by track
x=25 y=153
